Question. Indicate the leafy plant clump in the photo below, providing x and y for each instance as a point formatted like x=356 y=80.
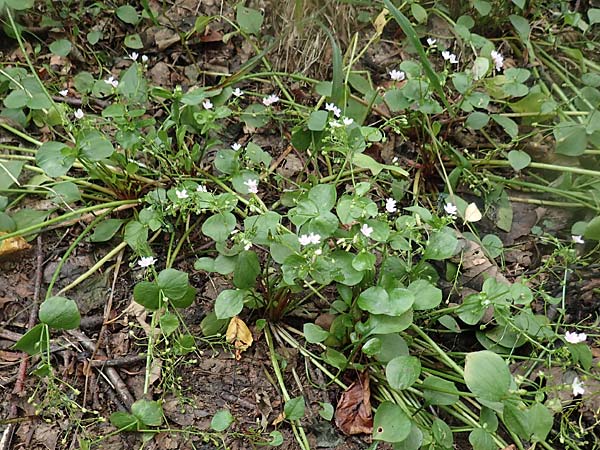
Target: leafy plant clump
x=383 y=270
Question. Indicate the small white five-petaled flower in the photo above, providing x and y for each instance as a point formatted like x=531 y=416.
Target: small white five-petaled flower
x=207 y=104
x=397 y=75
x=112 y=81
x=181 y=194
x=431 y=42
x=450 y=209
x=146 y=261
x=577 y=387
x=252 y=185
x=144 y=59
x=334 y=109
x=268 y=101
x=390 y=205
x=78 y=114
x=134 y=56
x=366 y=230
x=236 y=146
x=201 y=188
x=577 y=239
x=347 y=121
x=451 y=57
x=498 y=59
x=237 y=92
x=64 y=92
x=311 y=238
x=335 y=124
x=575 y=338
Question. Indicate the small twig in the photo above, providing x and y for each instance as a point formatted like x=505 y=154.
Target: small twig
x=117 y=382
x=118 y=362
x=78 y=102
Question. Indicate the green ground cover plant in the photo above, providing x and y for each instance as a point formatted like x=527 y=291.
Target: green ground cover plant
x=352 y=230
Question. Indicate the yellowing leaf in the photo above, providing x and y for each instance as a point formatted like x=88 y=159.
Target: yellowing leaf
x=12 y=245
x=380 y=21
x=472 y=213
x=239 y=335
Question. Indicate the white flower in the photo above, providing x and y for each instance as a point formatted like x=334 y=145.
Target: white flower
x=451 y=57
x=146 y=261
x=235 y=146
x=390 y=205
x=112 y=81
x=144 y=59
x=247 y=245
x=575 y=338
x=498 y=59
x=366 y=230
x=334 y=124
x=304 y=239
x=334 y=109
x=268 y=101
x=577 y=239
x=450 y=209
x=181 y=194
x=201 y=188
x=134 y=56
x=252 y=185
x=397 y=75
x=318 y=252
x=431 y=42
x=577 y=387
x=314 y=238
x=238 y=92
x=78 y=114
x=207 y=104
x=347 y=121
x=64 y=92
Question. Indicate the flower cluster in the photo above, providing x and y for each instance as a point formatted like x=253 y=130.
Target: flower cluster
x=450 y=57
x=271 y=99
x=334 y=109
x=575 y=338
x=307 y=239
x=146 y=261
x=498 y=60
x=112 y=81
x=346 y=121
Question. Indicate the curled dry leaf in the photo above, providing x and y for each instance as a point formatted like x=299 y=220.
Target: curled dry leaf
x=239 y=335
x=13 y=245
x=353 y=413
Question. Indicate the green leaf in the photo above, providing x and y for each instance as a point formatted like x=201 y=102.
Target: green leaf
x=221 y=420
x=124 y=421
x=477 y=120
x=250 y=20
x=510 y=126
x=128 y=14
x=326 y=411
x=317 y=120
x=187 y=299
x=522 y=26
x=519 y=3
x=39 y=101
x=16 y=99
x=418 y=12
x=592 y=230
x=324 y=196
x=133 y=85
x=483 y=7
x=229 y=303
x=133 y=41
x=384 y=324
x=518 y=159
x=442 y=434
x=34 y=341
x=105 y=230
x=136 y=235
x=437 y=391
x=594 y=15
x=9 y=173
x=390 y=424
x=148 y=412
x=168 y=323
x=367 y=162
x=402 y=372
x=61 y=47
x=94 y=145
x=19 y=5
x=219 y=226
x=481 y=439
x=571 y=138
x=294 y=408
x=487 y=375
x=255 y=115
x=55 y=158
x=247 y=269
x=60 y=313
x=427 y=296
x=441 y=245
x=64 y=193
x=413 y=441
x=314 y=333
x=377 y=300
x=492 y=245
x=93 y=37
x=173 y=283
x=541 y=422
x=147 y=294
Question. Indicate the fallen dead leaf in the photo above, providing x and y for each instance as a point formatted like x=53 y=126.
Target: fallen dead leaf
x=239 y=335
x=380 y=21
x=353 y=413
x=12 y=246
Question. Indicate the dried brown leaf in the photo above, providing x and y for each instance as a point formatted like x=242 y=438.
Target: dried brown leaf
x=13 y=245
x=353 y=413
x=239 y=335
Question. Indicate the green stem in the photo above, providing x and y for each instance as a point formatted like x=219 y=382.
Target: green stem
x=535 y=165
x=442 y=354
